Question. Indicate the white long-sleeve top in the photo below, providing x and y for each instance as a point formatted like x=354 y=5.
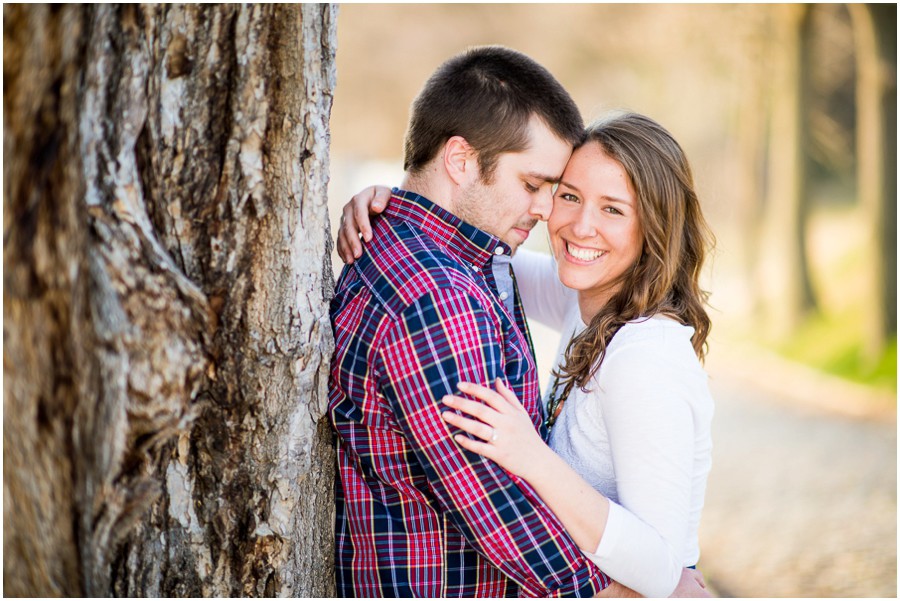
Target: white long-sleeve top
x=640 y=434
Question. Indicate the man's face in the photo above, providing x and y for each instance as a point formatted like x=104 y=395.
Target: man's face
x=521 y=190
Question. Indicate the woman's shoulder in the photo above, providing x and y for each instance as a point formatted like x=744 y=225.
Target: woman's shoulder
x=656 y=345
x=652 y=332
x=653 y=359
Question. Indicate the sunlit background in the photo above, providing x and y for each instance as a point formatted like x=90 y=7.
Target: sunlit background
x=788 y=115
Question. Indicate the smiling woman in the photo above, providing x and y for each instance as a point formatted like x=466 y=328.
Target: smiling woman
x=643 y=181
x=595 y=229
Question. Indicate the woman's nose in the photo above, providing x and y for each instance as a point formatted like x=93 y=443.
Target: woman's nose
x=585 y=224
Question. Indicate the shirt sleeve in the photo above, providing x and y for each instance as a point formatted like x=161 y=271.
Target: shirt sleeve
x=445 y=338
x=646 y=406
x=544 y=298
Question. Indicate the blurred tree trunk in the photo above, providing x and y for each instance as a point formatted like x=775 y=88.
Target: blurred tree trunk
x=166 y=278
x=875 y=29
x=784 y=279
x=752 y=113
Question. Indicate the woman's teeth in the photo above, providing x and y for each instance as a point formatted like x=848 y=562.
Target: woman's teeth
x=583 y=254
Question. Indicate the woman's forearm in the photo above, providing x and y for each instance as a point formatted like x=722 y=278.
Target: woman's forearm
x=582 y=510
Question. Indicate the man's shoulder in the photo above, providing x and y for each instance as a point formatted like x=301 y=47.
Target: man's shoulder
x=402 y=265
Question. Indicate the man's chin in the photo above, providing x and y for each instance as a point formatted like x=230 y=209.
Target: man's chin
x=513 y=242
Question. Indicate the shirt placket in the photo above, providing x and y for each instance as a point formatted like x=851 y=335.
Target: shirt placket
x=500 y=269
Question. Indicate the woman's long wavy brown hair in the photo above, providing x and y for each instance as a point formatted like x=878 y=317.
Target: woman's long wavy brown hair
x=665 y=280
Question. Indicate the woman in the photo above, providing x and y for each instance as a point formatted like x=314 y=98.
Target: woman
x=629 y=409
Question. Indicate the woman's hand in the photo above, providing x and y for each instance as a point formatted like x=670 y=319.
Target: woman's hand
x=507 y=433
x=692 y=584
x=355 y=220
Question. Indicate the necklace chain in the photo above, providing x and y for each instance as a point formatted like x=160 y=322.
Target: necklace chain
x=554 y=403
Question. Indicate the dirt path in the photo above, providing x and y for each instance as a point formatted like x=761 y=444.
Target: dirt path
x=802 y=501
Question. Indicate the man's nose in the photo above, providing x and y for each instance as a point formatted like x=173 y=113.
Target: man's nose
x=542 y=205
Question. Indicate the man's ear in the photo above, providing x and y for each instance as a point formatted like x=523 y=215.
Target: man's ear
x=460 y=161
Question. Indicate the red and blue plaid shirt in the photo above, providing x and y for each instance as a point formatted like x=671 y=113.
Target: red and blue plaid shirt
x=417 y=515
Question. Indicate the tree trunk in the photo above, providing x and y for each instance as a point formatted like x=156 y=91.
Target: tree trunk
x=784 y=280
x=875 y=30
x=166 y=287
x=753 y=73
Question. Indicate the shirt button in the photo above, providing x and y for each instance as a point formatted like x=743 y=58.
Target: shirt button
x=504 y=295
x=498 y=250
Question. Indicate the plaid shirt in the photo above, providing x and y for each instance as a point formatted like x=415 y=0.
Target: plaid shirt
x=417 y=515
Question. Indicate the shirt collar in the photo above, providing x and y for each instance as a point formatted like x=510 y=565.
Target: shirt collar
x=464 y=240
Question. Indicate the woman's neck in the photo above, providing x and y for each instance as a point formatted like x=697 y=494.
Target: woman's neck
x=591 y=302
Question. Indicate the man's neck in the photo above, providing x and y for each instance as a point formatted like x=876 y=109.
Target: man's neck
x=431 y=187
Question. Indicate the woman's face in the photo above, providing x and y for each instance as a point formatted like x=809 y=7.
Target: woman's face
x=595 y=233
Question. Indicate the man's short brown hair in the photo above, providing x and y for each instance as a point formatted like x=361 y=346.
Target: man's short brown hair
x=487 y=95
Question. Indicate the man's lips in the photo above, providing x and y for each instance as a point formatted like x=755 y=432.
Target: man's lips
x=523 y=232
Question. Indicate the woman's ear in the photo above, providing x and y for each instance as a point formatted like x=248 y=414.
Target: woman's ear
x=460 y=161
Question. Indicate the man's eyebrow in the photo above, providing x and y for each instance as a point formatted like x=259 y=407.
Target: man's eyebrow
x=553 y=179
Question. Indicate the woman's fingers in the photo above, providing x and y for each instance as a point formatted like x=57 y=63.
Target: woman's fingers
x=360 y=204
x=343 y=251
x=475 y=409
x=356 y=223
x=348 y=235
x=470 y=444
x=472 y=426
x=382 y=197
x=492 y=398
x=508 y=395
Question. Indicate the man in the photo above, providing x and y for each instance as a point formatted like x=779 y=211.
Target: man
x=430 y=303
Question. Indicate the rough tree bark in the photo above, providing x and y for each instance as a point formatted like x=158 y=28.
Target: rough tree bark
x=166 y=278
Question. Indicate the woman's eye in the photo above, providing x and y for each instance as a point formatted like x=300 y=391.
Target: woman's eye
x=613 y=211
x=568 y=197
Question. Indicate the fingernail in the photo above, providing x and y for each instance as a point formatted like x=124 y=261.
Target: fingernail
x=447 y=400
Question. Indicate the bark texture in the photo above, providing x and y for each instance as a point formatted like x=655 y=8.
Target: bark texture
x=166 y=279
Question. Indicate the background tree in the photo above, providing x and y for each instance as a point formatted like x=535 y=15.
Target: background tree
x=875 y=31
x=166 y=336
x=785 y=283
x=752 y=69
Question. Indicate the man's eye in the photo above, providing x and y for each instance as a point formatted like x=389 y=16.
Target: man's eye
x=531 y=188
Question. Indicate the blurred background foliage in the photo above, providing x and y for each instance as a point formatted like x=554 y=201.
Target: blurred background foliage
x=787 y=113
